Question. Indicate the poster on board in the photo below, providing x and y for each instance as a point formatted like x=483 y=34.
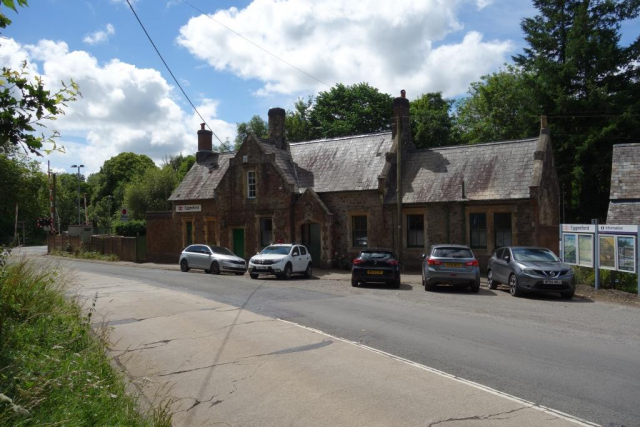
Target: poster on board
x=608 y=252
x=570 y=249
x=626 y=253
x=585 y=250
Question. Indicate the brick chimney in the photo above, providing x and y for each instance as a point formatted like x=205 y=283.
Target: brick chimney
x=276 y=128
x=205 y=152
x=401 y=110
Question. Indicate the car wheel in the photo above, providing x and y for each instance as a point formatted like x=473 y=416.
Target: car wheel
x=184 y=266
x=567 y=295
x=430 y=287
x=215 y=268
x=253 y=275
x=513 y=286
x=492 y=283
x=354 y=283
x=475 y=287
x=396 y=284
x=308 y=272
x=286 y=275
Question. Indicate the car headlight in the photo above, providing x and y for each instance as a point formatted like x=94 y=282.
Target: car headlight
x=570 y=272
x=529 y=272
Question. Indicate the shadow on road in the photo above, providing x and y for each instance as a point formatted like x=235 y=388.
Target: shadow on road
x=548 y=297
x=383 y=286
x=463 y=291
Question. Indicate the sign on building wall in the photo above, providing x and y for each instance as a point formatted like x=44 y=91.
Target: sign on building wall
x=578 y=249
x=188 y=208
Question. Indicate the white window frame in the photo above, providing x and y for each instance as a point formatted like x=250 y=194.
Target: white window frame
x=251 y=184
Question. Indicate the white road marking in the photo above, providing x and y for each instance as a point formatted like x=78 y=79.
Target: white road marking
x=493 y=391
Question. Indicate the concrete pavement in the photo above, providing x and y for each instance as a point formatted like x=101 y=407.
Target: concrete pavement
x=224 y=365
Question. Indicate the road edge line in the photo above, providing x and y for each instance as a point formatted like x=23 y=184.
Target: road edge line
x=526 y=403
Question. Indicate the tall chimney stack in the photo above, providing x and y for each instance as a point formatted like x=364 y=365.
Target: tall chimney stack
x=276 y=128
x=205 y=139
x=205 y=154
x=401 y=111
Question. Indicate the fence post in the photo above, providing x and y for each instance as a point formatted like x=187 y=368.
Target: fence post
x=638 y=259
x=596 y=255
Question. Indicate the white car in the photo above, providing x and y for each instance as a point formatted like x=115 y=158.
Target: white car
x=281 y=260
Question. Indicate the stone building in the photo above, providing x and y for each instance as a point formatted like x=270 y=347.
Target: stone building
x=624 y=195
x=339 y=195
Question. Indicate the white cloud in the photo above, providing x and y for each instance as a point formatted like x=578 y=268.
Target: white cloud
x=123 y=108
x=100 y=36
x=389 y=45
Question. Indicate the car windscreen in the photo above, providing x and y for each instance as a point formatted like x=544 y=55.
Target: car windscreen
x=533 y=254
x=452 y=253
x=381 y=255
x=276 y=250
x=221 y=251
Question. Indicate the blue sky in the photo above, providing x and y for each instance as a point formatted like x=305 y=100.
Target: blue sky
x=131 y=103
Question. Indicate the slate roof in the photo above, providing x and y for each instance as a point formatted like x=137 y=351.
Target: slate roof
x=492 y=171
x=283 y=160
x=201 y=181
x=624 y=195
x=341 y=164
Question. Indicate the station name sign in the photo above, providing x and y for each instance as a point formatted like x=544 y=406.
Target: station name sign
x=188 y=208
x=578 y=228
x=617 y=228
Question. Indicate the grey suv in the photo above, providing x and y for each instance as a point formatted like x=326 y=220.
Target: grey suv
x=530 y=269
x=450 y=265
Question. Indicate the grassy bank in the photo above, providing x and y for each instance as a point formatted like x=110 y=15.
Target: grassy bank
x=86 y=255
x=53 y=368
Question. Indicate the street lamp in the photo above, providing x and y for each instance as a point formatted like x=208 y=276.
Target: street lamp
x=78 y=166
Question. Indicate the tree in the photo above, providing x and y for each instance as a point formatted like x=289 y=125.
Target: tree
x=501 y=106
x=114 y=176
x=22 y=183
x=298 y=126
x=588 y=85
x=432 y=124
x=67 y=198
x=181 y=164
x=150 y=191
x=256 y=125
x=351 y=110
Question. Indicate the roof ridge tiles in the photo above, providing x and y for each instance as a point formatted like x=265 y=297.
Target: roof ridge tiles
x=340 y=138
x=481 y=144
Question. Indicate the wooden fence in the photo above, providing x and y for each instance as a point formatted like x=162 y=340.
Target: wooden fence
x=62 y=243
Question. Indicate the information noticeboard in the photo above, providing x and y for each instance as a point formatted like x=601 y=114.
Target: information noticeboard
x=578 y=249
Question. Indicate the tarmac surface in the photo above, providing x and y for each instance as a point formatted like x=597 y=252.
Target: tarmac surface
x=579 y=357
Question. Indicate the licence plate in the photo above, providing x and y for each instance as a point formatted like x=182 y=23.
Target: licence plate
x=453 y=264
x=374 y=272
x=260 y=268
x=553 y=282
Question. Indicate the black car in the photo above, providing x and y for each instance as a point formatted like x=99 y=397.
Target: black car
x=376 y=266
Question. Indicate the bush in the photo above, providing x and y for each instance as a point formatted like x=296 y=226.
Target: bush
x=132 y=228
x=623 y=281
x=53 y=365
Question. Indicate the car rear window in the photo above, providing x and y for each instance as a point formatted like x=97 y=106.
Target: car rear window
x=452 y=253
x=377 y=255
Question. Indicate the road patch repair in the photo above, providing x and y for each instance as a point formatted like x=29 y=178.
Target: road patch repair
x=218 y=364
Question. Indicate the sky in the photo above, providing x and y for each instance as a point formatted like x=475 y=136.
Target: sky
x=130 y=102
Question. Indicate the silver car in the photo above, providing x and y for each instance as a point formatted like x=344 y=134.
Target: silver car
x=453 y=265
x=212 y=259
x=530 y=269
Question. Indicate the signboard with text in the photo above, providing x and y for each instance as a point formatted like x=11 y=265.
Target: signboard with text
x=188 y=208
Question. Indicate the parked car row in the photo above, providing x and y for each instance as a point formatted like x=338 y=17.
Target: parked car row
x=523 y=269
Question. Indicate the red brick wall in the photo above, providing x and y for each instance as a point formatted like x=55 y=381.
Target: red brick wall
x=161 y=242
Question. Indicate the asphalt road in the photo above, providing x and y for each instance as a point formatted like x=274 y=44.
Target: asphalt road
x=576 y=356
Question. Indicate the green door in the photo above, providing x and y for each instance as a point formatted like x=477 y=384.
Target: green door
x=238 y=242
x=311 y=239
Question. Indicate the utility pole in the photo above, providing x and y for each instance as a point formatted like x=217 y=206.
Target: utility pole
x=78 y=166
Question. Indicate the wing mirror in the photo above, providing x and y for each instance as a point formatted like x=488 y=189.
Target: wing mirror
x=507 y=258
x=424 y=256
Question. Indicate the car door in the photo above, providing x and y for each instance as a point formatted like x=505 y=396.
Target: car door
x=203 y=257
x=507 y=257
x=306 y=257
x=296 y=259
x=498 y=266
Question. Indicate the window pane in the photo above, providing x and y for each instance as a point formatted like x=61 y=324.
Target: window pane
x=359 y=227
x=251 y=184
x=266 y=231
x=478 y=226
x=415 y=231
x=502 y=224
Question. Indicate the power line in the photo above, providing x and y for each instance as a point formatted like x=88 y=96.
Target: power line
x=170 y=72
x=256 y=45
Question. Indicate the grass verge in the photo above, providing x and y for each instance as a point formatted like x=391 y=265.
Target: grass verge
x=53 y=367
x=625 y=282
x=86 y=255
